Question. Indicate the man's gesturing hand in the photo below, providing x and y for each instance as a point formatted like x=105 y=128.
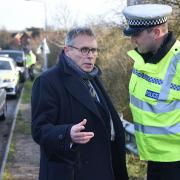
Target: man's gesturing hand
x=80 y=137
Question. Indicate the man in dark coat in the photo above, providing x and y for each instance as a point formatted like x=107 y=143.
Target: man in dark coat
x=73 y=120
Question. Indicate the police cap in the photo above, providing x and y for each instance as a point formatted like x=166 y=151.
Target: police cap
x=142 y=16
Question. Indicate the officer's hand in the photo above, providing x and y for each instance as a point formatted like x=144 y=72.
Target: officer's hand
x=80 y=137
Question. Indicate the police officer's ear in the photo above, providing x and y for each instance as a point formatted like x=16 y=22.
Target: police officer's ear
x=156 y=32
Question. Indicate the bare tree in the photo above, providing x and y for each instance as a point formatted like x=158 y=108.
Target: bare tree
x=64 y=17
x=112 y=17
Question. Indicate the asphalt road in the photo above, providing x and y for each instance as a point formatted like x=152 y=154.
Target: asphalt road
x=5 y=125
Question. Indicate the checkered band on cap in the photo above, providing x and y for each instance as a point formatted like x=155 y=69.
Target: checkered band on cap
x=146 y=22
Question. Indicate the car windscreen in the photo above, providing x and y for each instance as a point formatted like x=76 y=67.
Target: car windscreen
x=5 y=65
x=14 y=55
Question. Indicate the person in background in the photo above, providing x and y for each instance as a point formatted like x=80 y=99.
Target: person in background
x=155 y=89
x=30 y=62
x=80 y=134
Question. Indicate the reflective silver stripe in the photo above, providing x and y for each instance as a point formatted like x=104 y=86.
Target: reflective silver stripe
x=157 y=130
x=161 y=106
x=153 y=80
x=146 y=77
x=165 y=88
x=158 y=108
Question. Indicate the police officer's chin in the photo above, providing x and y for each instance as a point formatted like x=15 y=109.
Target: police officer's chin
x=142 y=51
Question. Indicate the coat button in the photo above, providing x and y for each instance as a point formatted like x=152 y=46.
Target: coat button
x=60 y=136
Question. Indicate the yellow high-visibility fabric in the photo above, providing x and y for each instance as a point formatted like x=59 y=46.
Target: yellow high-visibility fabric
x=30 y=59
x=157 y=131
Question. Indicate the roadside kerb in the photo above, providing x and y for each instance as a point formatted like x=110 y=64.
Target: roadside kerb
x=10 y=137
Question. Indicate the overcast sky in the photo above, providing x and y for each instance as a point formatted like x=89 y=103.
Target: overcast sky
x=20 y=14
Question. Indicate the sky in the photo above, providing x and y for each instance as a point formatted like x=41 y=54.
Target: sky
x=21 y=14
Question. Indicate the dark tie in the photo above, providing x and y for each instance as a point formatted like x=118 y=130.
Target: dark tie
x=92 y=90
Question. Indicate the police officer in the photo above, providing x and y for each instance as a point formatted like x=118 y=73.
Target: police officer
x=30 y=62
x=155 y=89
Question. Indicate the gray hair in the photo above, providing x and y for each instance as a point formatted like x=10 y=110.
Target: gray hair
x=73 y=33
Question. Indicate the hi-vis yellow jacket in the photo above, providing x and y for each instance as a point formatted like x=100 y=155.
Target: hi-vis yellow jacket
x=30 y=59
x=155 y=104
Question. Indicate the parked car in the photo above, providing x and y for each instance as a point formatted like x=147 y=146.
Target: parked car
x=20 y=59
x=9 y=76
x=3 y=105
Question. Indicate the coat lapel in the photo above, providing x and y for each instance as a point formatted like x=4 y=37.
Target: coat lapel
x=75 y=88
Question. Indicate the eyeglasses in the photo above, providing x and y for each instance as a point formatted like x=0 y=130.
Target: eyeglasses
x=86 y=50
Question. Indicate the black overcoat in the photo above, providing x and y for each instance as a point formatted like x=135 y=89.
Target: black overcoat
x=60 y=100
